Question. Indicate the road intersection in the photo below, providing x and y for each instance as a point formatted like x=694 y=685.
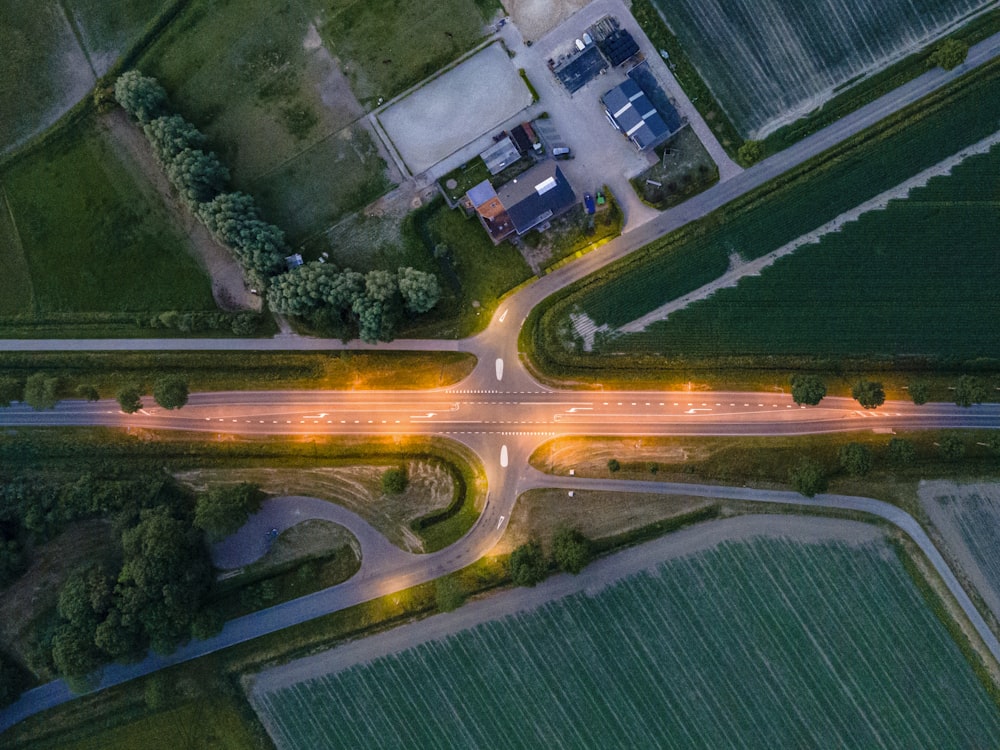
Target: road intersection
x=503 y=414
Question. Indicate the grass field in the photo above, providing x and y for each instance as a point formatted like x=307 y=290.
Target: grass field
x=747 y=643
x=914 y=279
x=775 y=214
x=386 y=46
x=782 y=61
x=95 y=236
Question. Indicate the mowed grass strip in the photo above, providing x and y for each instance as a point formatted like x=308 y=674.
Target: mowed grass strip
x=16 y=297
x=95 y=235
x=386 y=46
x=918 y=278
x=753 y=642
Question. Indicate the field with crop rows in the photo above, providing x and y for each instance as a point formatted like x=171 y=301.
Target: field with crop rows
x=767 y=219
x=762 y=643
x=968 y=518
x=769 y=62
x=916 y=278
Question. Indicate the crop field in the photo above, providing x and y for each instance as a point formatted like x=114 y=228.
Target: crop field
x=94 y=235
x=968 y=517
x=908 y=280
x=782 y=60
x=749 y=643
x=767 y=219
x=53 y=52
x=386 y=46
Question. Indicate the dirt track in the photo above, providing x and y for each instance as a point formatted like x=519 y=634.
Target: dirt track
x=535 y=18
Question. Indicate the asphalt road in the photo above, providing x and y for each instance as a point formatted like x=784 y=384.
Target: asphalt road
x=503 y=414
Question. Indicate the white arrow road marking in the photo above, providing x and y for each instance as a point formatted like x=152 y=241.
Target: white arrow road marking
x=575 y=409
x=499 y=369
x=503 y=314
x=695 y=411
x=500 y=522
x=428 y=415
x=503 y=456
x=316 y=416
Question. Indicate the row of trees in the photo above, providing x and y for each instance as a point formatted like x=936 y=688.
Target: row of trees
x=347 y=303
x=41 y=391
x=810 y=389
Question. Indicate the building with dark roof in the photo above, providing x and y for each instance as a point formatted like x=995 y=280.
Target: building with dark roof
x=630 y=110
x=525 y=203
x=579 y=68
x=644 y=77
x=618 y=47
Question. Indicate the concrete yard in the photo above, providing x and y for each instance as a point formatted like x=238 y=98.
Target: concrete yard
x=455 y=108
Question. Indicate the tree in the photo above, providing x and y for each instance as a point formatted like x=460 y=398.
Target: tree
x=902 y=452
x=171 y=134
x=394 y=481
x=868 y=393
x=12 y=682
x=208 y=622
x=420 y=290
x=920 y=392
x=88 y=392
x=856 y=459
x=613 y=465
x=571 y=550
x=141 y=96
x=40 y=391
x=969 y=391
x=951 y=446
x=12 y=559
x=949 y=54
x=808 y=389
x=198 y=175
x=750 y=153
x=129 y=399
x=222 y=510
x=170 y=392
x=448 y=594
x=10 y=390
x=527 y=564
x=808 y=477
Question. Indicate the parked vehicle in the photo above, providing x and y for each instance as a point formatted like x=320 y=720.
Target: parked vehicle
x=588 y=202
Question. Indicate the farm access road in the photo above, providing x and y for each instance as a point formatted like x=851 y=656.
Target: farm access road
x=527 y=413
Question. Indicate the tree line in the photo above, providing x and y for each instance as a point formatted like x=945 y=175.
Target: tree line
x=870 y=394
x=343 y=302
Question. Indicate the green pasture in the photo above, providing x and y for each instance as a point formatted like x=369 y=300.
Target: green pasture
x=94 y=234
x=107 y=28
x=752 y=643
x=916 y=279
x=783 y=210
x=386 y=46
x=15 y=283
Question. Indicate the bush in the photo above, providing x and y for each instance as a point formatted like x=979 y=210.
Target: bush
x=808 y=478
x=807 y=389
x=129 y=399
x=527 y=564
x=394 y=481
x=170 y=392
x=750 y=153
x=10 y=390
x=88 y=392
x=969 y=391
x=613 y=465
x=856 y=459
x=902 y=452
x=40 y=391
x=952 y=448
x=949 y=54
x=920 y=392
x=868 y=393
x=571 y=550
x=222 y=510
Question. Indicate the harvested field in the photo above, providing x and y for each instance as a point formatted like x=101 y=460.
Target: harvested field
x=455 y=108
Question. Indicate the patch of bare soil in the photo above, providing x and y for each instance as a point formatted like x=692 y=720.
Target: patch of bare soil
x=50 y=564
x=357 y=488
x=590 y=457
x=228 y=286
x=535 y=18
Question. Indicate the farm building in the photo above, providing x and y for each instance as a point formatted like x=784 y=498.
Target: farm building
x=579 y=68
x=524 y=203
x=501 y=155
x=629 y=109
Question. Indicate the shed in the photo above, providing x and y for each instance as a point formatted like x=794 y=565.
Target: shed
x=500 y=155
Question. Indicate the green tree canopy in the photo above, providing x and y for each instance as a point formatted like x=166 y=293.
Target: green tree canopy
x=171 y=134
x=969 y=391
x=571 y=550
x=88 y=392
x=40 y=391
x=129 y=399
x=808 y=477
x=170 y=392
x=902 y=452
x=10 y=390
x=394 y=481
x=222 y=510
x=198 y=175
x=750 y=153
x=808 y=389
x=614 y=465
x=420 y=290
x=949 y=54
x=868 y=393
x=527 y=564
x=856 y=459
x=920 y=392
x=141 y=96
x=952 y=447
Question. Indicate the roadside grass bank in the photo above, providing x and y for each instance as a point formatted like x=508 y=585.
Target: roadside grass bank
x=753 y=225
x=683 y=169
x=235 y=370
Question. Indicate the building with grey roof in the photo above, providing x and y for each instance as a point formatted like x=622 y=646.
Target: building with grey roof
x=631 y=112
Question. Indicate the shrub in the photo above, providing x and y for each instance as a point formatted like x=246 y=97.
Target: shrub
x=969 y=391
x=920 y=392
x=868 y=393
x=750 y=153
x=170 y=392
x=40 y=391
x=129 y=399
x=808 y=477
x=613 y=465
x=949 y=54
x=856 y=459
x=571 y=550
x=807 y=389
x=952 y=448
x=527 y=564
x=902 y=452
x=222 y=510
x=88 y=392
x=394 y=481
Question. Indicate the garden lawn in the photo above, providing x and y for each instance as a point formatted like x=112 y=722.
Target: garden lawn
x=917 y=278
x=386 y=46
x=755 y=642
x=781 y=60
x=95 y=235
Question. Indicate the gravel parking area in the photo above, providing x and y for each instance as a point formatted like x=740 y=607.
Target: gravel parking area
x=455 y=108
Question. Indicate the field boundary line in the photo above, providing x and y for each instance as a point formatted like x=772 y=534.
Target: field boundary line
x=880 y=202
x=5 y=197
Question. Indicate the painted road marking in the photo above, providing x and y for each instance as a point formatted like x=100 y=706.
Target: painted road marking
x=499 y=368
x=500 y=522
x=503 y=456
x=503 y=314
